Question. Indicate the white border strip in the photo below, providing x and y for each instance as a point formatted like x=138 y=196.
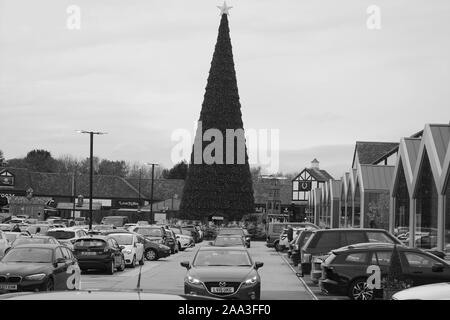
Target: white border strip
x=299 y=278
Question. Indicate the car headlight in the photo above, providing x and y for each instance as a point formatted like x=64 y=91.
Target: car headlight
x=128 y=251
x=193 y=280
x=251 y=280
x=37 y=276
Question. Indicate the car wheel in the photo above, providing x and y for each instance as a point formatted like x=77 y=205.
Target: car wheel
x=110 y=267
x=150 y=255
x=359 y=290
x=133 y=263
x=142 y=261
x=122 y=264
x=277 y=246
x=49 y=285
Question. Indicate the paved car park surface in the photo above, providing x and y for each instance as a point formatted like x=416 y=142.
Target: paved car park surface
x=278 y=280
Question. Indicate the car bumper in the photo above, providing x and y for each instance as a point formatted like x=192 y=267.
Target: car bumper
x=243 y=293
x=25 y=285
x=163 y=253
x=328 y=286
x=94 y=263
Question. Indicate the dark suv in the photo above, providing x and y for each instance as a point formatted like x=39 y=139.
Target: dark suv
x=345 y=269
x=298 y=243
x=99 y=252
x=321 y=242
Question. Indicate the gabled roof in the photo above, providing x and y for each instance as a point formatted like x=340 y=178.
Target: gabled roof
x=335 y=189
x=435 y=143
x=445 y=178
x=369 y=152
x=316 y=174
x=375 y=177
x=406 y=161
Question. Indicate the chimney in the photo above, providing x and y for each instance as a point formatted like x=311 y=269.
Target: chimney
x=315 y=164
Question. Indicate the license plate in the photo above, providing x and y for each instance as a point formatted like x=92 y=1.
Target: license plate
x=88 y=253
x=8 y=286
x=222 y=289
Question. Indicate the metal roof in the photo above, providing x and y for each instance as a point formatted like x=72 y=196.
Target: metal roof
x=370 y=151
x=376 y=177
x=441 y=137
x=412 y=147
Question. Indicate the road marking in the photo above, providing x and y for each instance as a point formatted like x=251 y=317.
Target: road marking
x=299 y=278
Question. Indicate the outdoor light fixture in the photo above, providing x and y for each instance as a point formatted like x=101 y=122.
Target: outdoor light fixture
x=91 y=173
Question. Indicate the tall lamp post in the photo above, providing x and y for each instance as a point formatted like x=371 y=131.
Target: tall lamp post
x=151 y=191
x=91 y=170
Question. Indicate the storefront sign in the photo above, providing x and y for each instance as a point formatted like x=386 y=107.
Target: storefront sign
x=126 y=204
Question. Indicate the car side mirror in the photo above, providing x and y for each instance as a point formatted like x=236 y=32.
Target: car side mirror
x=258 y=265
x=437 y=267
x=59 y=260
x=185 y=264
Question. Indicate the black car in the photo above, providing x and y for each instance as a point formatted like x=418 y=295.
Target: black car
x=154 y=233
x=99 y=252
x=223 y=272
x=345 y=270
x=322 y=241
x=237 y=231
x=39 y=267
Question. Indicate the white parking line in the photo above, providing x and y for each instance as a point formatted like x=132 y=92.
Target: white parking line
x=299 y=278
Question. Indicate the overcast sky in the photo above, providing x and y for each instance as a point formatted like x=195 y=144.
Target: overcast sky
x=137 y=69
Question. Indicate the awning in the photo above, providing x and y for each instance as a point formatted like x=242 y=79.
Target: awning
x=85 y=207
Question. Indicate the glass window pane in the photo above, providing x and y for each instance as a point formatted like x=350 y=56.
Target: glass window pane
x=384 y=258
x=359 y=257
x=418 y=260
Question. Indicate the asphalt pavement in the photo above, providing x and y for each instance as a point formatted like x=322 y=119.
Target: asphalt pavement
x=278 y=279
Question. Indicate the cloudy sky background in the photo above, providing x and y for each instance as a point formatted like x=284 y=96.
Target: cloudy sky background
x=137 y=69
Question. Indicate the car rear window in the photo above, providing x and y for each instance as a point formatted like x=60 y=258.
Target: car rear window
x=62 y=235
x=356 y=258
x=325 y=240
x=26 y=240
x=149 y=232
x=232 y=231
x=379 y=237
x=352 y=237
x=90 y=243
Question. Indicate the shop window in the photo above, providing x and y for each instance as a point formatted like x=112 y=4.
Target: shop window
x=426 y=208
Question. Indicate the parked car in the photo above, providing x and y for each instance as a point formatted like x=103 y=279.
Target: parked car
x=133 y=250
x=32 y=239
x=229 y=241
x=183 y=238
x=128 y=226
x=66 y=236
x=142 y=223
x=39 y=228
x=152 y=232
x=283 y=242
x=171 y=241
x=194 y=233
x=80 y=221
x=153 y=251
x=6 y=227
x=298 y=243
x=99 y=252
x=39 y=267
x=274 y=230
x=344 y=271
x=237 y=231
x=223 y=272
x=435 y=291
x=4 y=244
x=321 y=242
x=117 y=221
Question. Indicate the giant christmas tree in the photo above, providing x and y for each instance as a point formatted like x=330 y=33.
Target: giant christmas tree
x=219 y=188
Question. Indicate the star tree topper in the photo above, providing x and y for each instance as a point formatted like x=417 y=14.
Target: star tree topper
x=224 y=8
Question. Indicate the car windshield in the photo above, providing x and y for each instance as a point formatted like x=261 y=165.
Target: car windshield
x=26 y=240
x=232 y=231
x=123 y=239
x=90 y=243
x=33 y=255
x=205 y=258
x=149 y=232
x=228 y=241
x=61 y=234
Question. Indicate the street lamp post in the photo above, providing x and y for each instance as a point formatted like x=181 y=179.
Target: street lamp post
x=151 y=191
x=91 y=170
